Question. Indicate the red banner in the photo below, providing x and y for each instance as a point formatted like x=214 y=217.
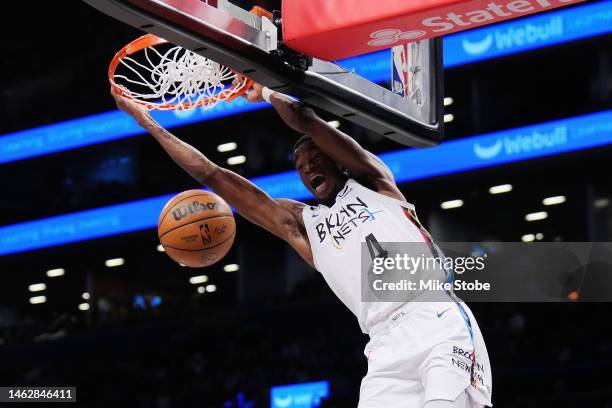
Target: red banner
x=335 y=29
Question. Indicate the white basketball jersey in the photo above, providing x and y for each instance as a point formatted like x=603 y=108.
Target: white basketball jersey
x=336 y=234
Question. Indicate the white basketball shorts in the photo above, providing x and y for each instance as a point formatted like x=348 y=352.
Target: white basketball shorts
x=426 y=351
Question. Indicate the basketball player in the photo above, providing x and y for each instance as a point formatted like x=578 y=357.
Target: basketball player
x=420 y=354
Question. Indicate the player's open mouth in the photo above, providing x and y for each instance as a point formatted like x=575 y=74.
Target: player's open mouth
x=318 y=183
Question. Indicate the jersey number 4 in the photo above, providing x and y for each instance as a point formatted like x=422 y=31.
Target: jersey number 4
x=376 y=250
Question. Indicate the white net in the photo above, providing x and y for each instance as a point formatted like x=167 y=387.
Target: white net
x=175 y=78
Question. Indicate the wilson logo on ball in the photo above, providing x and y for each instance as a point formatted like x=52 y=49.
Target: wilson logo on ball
x=192 y=208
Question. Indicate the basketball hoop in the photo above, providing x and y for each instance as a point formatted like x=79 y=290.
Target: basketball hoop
x=161 y=76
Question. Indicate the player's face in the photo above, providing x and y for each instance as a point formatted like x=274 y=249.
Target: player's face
x=318 y=171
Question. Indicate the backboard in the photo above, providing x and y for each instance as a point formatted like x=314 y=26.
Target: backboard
x=252 y=45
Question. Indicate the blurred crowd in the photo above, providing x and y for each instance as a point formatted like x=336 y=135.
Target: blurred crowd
x=542 y=354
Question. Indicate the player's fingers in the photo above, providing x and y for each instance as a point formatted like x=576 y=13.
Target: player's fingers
x=252 y=96
x=238 y=80
x=119 y=99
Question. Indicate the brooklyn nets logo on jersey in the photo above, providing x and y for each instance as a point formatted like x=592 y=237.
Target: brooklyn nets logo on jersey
x=340 y=223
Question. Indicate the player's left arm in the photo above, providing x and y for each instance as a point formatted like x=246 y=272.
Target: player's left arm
x=342 y=148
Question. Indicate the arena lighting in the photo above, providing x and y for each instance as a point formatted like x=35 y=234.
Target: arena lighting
x=601 y=203
x=231 y=268
x=54 y=273
x=105 y=127
x=156 y=301
x=447 y=205
x=554 y=200
x=448 y=101
x=211 y=288
x=111 y=263
x=573 y=295
x=539 y=236
x=528 y=238
x=537 y=216
x=37 y=287
x=511 y=37
x=235 y=160
x=37 y=300
x=449 y=117
x=84 y=306
x=85 y=295
x=201 y=289
x=454 y=156
x=536 y=31
x=195 y=280
x=500 y=189
x=227 y=147
x=299 y=395
x=160 y=248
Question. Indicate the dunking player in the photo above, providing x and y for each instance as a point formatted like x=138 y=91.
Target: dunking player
x=420 y=354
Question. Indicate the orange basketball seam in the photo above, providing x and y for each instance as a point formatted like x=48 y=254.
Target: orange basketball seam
x=199 y=219
x=202 y=249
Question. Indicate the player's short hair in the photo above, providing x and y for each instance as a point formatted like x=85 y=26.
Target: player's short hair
x=301 y=141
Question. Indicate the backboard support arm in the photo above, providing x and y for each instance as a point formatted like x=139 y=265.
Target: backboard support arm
x=249 y=46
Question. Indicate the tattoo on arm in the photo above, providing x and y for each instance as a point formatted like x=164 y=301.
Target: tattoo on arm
x=185 y=155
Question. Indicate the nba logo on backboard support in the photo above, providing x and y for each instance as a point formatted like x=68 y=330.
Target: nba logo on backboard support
x=406 y=75
x=399 y=70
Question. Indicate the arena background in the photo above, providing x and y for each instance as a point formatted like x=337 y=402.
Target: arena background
x=149 y=337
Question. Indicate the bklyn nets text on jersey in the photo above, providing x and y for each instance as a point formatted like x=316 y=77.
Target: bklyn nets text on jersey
x=341 y=223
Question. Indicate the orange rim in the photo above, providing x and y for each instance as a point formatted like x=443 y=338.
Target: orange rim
x=151 y=40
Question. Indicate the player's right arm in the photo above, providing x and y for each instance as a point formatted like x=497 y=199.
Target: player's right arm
x=280 y=217
x=340 y=147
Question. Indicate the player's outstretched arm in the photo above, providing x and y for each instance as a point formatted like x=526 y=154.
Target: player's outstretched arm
x=280 y=217
x=342 y=148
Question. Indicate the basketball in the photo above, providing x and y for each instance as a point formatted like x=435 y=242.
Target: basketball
x=196 y=228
